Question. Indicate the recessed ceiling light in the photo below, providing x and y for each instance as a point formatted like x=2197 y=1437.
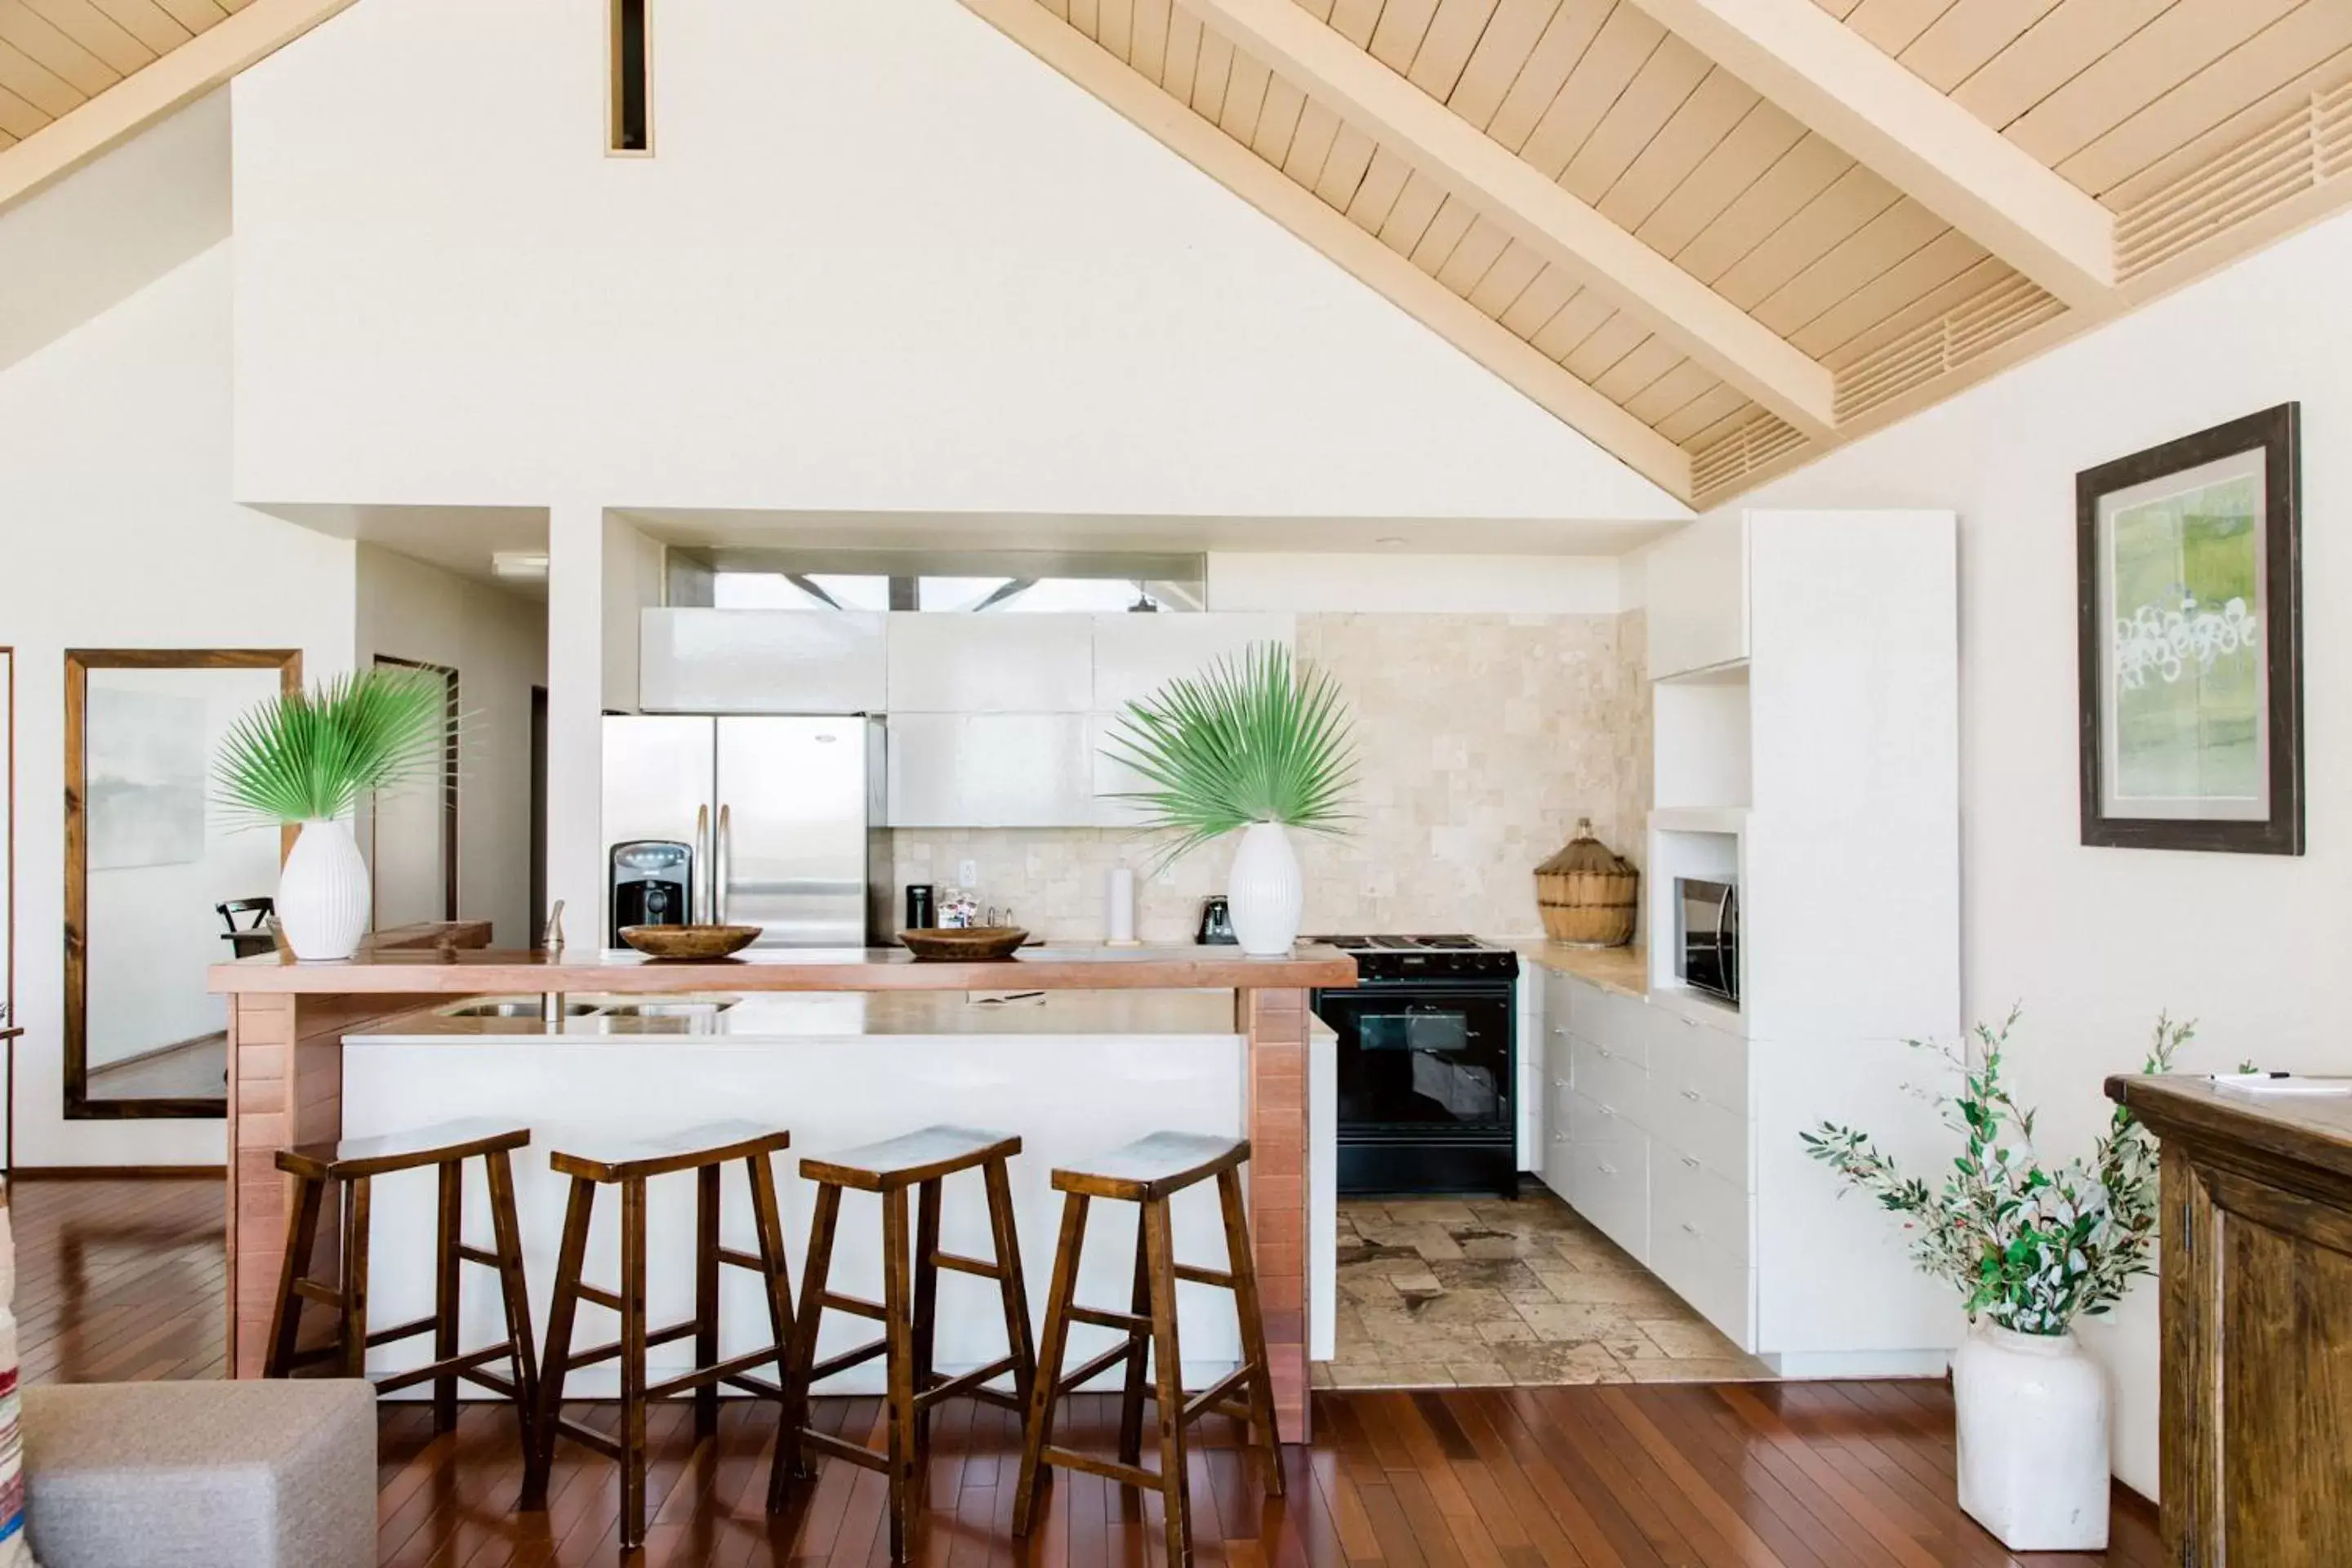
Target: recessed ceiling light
x=520 y=565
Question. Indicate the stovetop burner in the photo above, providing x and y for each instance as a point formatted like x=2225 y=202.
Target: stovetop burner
x=1424 y=957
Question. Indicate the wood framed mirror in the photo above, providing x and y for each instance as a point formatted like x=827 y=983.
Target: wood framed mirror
x=150 y=866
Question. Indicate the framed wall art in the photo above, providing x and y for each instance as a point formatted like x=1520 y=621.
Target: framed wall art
x=2189 y=588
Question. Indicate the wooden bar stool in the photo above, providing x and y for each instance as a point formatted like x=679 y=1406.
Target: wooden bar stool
x=1149 y=1171
x=705 y=1150
x=908 y=1308
x=351 y=1165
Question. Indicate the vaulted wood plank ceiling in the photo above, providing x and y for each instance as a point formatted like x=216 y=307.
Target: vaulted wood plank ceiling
x=1723 y=237
x=77 y=77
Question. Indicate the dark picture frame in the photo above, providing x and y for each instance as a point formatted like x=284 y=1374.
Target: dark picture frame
x=2273 y=824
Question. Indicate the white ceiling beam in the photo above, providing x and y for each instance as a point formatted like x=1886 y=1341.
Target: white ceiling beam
x=1362 y=255
x=1518 y=197
x=147 y=95
x=1865 y=102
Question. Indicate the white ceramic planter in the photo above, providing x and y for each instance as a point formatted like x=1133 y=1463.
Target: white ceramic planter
x=2033 y=1414
x=322 y=893
x=1266 y=891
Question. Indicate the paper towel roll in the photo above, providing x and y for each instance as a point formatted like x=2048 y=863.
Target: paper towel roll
x=1120 y=918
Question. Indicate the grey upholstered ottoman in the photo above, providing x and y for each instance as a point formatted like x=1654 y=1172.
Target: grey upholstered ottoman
x=201 y=1475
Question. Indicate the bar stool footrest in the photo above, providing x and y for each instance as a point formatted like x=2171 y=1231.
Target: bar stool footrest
x=1109 y=1469
x=574 y=1362
x=1103 y=1317
x=968 y=1383
x=720 y=1372
x=588 y=1438
x=465 y=1367
x=848 y=1358
x=842 y=1449
x=959 y=1264
x=1218 y=1396
x=1097 y=1367
x=402 y=1332
x=1220 y=1278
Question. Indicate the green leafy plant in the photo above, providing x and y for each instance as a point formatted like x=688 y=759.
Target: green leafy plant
x=302 y=756
x=2031 y=1245
x=1253 y=739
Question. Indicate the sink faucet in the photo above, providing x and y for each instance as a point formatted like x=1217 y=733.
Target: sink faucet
x=551 y=942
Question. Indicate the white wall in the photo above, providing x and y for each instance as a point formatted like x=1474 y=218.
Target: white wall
x=2094 y=941
x=114 y=487
x=885 y=259
x=496 y=642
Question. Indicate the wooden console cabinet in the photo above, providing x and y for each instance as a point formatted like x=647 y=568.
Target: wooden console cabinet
x=2257 y=1310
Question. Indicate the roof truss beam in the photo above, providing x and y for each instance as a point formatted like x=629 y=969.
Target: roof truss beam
x=1861 y=100
x=1540 y=214
x=1241 y=170
x=149 y=94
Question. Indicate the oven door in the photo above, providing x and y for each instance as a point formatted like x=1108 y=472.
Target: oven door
x=1425 y=1062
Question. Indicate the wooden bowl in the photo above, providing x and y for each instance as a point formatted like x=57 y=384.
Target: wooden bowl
x=689 y=941
x=973 y=944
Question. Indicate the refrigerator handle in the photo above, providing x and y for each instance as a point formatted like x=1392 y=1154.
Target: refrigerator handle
x=698 y=897
x=720 y=869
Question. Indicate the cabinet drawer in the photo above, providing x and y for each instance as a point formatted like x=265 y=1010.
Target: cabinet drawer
x=1608 y=1183
x=1696 y=1204
x=1591 y=1120
x=1680 y=1118
x=1602 y=1073
x=1621 y=1023
x=1711 y=1063
x=1721 y=1287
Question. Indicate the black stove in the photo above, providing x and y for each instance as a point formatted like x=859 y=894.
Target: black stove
x=1428 y=1055
x=1386 y=958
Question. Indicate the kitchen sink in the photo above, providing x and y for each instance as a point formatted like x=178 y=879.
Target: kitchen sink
x=513 y=1007
x=667 y=1007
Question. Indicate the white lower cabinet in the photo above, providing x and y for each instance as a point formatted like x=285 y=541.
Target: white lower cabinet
x=1648 y=1137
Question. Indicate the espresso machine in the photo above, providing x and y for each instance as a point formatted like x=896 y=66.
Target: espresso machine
x=653 y=884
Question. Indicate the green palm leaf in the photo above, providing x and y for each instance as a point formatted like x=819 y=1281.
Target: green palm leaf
x=1253 y=739
x=302 y=756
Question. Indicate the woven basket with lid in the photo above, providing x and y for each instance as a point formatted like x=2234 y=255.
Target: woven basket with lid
x=1588 y=893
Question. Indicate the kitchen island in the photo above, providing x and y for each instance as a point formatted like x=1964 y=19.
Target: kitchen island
x=839 y=1046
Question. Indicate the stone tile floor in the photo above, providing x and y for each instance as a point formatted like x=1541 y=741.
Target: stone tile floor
x=1480 y=1293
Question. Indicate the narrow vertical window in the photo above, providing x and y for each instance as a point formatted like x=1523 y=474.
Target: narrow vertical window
x=631 y=115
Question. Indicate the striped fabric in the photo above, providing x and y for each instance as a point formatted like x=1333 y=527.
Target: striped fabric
x=16 y=1552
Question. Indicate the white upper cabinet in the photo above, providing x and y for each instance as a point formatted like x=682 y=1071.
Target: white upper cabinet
x=990 y=663
x=1135 y=656
x=990 y=769
x=1698 y=597
x=761 y=662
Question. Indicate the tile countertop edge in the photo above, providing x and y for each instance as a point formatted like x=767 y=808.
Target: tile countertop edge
x=1623 y=970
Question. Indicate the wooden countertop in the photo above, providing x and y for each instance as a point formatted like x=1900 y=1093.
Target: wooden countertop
x=781 y=1016
x=2314 y=1130
x=1625 y=970
x=443 y=972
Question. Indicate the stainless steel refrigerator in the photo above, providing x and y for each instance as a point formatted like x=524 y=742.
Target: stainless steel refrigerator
x=783 y=816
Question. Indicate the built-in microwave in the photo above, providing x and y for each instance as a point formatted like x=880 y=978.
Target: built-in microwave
x=1707 y=956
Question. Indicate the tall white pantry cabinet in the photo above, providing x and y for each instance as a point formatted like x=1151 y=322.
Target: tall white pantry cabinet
x=1805 y=670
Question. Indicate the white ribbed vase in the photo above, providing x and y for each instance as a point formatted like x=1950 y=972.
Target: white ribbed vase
x=2032 y=1417
x=322 y=893
x=1265 y=892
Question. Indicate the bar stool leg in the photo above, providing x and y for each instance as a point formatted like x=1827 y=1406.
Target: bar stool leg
x=506 y=1237
x=560 y=1313
x=927 y=1298
x=1244 y=1269
x=1038 y=1431
x=632 y=1362
x=706 y=1298
x=1139 y=1345
x=355 y=1276
x=301 y=1243
x=445 y=1289
x=1013 y=1292
x=767 y=1220
x=898 y=1328
x=803 y=1342
x=1167 y=1381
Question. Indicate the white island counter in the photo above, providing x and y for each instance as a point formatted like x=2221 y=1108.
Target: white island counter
x=1072 y=1072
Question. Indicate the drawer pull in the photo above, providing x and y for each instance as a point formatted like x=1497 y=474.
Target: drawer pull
x=1690 y=1023
x=1560 y=1083
x=1607 y=1110
x=1689 y=1094
x=1606 y=1168
x=1560 y=1137
x=1691 y=1162
x=1560 y=1029
x=1691 y=1228
x=1605 y=1051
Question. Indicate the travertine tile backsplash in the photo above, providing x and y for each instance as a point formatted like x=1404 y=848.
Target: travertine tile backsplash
x=1484 y=738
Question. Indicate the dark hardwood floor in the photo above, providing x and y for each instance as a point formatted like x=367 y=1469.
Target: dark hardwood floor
x=123 y=1280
